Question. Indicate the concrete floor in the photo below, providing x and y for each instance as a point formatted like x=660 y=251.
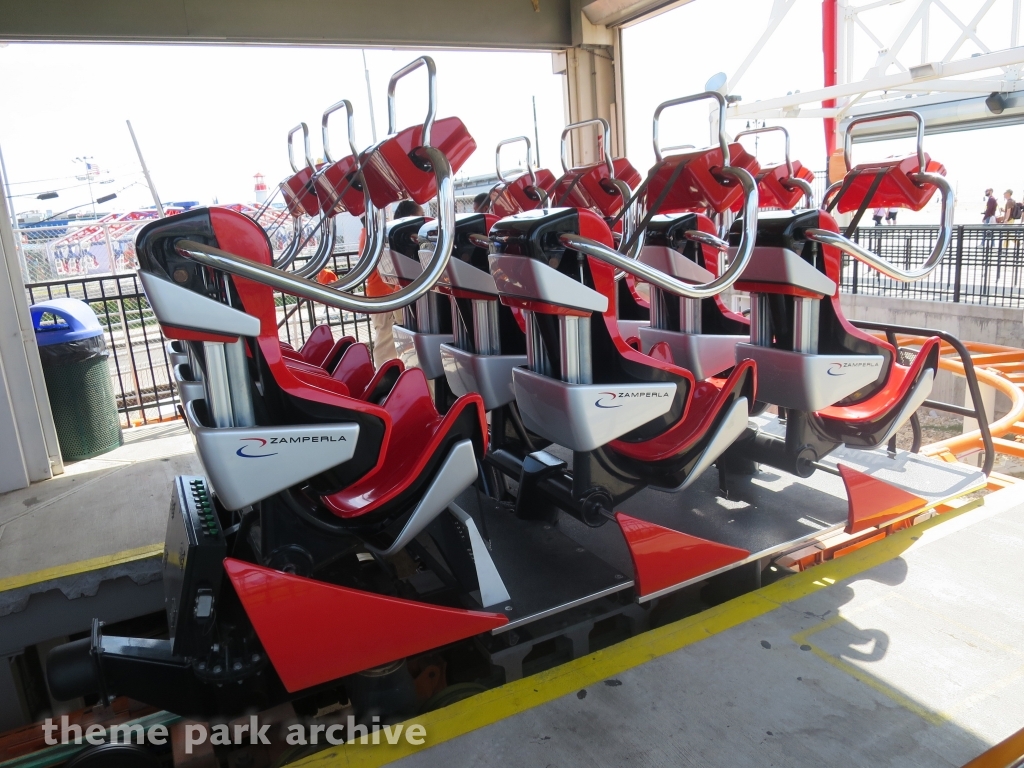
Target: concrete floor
x=917 y=661
x=86 y=544
x=101 y=506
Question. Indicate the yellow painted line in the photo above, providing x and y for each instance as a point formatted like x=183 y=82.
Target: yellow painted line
x=801 y=639
x=82 y=566
x=499 y=703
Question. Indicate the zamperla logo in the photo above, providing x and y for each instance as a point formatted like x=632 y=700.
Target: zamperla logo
x=613 y=399
x=841 y=369
x=254 y=444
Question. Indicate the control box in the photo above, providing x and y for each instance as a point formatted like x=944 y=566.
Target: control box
x=193 y=565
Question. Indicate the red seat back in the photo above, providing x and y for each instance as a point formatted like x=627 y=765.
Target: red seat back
x=393 y=172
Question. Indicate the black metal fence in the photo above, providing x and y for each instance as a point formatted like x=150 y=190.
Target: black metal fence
x=983 y=265
x=139 y=368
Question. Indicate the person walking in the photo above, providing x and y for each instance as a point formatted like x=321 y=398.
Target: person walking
x=988 y=216
x=1011 y=214
x=877 y=215
x=890 y=216
x=383 y=322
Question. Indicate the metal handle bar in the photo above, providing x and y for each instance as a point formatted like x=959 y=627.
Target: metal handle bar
x=658 y=278
x=422 y=61
x=373 y=247
x=309 y=289
x=770 y=129
x=877 y=262
x=678 y=146
x=529 y=157
x=723 y=140
x=351 y=123
x=848 y=137
x=292 y=249
x=328 y=235
x=305 y=141
x=802 y=185
x=607 y=134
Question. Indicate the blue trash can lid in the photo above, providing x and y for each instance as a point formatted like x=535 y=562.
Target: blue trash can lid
x=74 y=320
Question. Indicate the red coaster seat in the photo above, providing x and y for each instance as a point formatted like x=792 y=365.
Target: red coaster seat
x=869 y=411
x=420 y=437
x=403 y=441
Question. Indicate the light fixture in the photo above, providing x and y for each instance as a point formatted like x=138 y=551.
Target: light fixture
x=995 y=103
x=47 y=196
x=106 y=198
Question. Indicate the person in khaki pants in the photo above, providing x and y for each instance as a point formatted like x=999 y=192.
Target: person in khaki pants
x=383 y=338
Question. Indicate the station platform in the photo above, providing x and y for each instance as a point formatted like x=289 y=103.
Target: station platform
x=905 y=652
x=86 y=543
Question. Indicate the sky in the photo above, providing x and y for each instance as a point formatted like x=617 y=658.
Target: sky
x=209 y=117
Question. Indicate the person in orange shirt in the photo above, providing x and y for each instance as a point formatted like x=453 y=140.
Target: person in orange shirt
x=383 y=339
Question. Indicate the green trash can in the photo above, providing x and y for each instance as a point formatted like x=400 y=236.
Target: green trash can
x=74 y=358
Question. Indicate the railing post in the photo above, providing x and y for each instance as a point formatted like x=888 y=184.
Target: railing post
x=110 y=250
x=958 y=267
x=131 y=352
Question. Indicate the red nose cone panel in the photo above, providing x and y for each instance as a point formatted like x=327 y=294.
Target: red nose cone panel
x=520 y=195
x=336 y=186
x=773 y=193
x=896 y=189
x=590 y=187
x=697 y=185
x=315 y=632
x=874 y=502
x=392 y=175
x=663 y=558
x=300 y=194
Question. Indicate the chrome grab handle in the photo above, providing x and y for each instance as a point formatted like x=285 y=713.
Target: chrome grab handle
x=292 y=249
x=875 y=261
x=723 y=140
x=920 y=178
x=848 y=136
x=309 y=289
x=412 y=66
x=350 y=123
x=529 y=157
x=305 y=141
x=791 y=181
x=803 y=186
x=770 y=129
x=656 y=277
x=607 y=139
x=373 y=247
x=328 y=234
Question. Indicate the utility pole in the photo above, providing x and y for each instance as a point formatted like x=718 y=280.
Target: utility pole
x=145 y=172
x=369 y=97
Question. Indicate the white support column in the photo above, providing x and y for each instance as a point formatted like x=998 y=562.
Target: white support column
x=31 y=453
x=592 y=85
